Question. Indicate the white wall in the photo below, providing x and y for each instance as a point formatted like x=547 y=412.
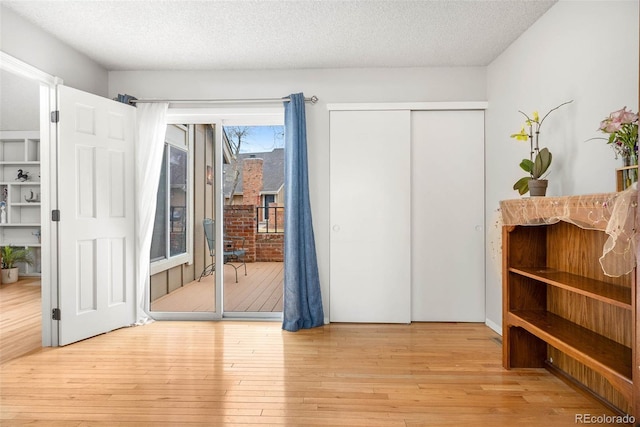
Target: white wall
x=581 y=50
x=35 y=47
x=330 y=86
x=19 y=101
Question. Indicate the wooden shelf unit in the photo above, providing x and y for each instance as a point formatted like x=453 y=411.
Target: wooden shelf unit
x=561 y=310
x=625 y=176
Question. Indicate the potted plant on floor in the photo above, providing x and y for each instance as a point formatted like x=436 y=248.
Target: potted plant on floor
x=539 y=159
x=11 y=256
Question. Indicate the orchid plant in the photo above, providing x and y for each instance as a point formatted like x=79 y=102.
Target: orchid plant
x=539 y=159
x=622 y=127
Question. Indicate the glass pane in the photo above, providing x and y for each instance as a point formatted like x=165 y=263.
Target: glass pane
x=187 y=289
x=178 y=201
x=159 y=239
x=254 y=208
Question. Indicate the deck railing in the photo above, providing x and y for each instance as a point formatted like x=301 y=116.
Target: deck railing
x=270 y=220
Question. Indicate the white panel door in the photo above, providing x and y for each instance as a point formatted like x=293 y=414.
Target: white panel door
x=447 y=216
x=370 y=217
x=96 y=202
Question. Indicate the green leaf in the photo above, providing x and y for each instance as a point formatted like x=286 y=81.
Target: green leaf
x=522 y=185
x=542 y=163
x=526 y=165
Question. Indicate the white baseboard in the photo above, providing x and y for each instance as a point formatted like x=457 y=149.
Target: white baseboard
x=497 y=328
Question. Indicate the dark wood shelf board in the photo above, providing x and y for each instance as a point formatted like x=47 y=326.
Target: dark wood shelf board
x=619 y=296
x=607 y=357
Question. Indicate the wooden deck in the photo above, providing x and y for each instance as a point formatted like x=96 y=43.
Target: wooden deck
x=261 y=290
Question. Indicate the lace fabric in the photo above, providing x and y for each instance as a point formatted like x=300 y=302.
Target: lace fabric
x=613 y=213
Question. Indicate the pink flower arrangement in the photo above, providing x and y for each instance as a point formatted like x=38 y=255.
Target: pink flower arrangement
x=622 y=127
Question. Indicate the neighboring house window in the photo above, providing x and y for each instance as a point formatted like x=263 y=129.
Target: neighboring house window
x=268 y=199
x=170 y=241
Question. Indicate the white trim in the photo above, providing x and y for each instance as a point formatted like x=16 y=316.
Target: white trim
x=497 y=328
x=190 y=193
x=412 y=106
x=252 y=116
x=187 y=257
x=253 y=315
x=183 y=315
x=48 y=201
x=48 y=195
x=218 y=196
x=16 y=66
x=167 y=264
x=20 y=134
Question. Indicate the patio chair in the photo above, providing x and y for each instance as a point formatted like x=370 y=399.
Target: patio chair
x=233 y=250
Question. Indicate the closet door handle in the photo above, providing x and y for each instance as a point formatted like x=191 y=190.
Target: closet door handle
x=336 y=228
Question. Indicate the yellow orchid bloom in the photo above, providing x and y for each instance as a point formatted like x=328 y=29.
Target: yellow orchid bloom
x=522 y=136
x=536 y=117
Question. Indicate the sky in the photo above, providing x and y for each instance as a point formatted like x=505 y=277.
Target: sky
x=261 y=139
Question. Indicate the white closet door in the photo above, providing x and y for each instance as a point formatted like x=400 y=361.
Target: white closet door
x=447 y=216
x=370 y=217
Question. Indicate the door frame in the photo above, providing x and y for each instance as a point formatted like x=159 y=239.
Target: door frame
x=219 y=116
x=48 y=194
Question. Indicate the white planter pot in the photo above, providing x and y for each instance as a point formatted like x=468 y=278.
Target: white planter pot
x=9 y=275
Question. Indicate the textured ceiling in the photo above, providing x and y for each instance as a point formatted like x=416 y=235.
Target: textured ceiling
x=208 y=35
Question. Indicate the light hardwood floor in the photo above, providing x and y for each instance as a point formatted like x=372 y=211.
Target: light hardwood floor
x=20 y=318
x=235 y=373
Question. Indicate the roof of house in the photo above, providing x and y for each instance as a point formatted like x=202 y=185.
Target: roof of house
x=272 y=172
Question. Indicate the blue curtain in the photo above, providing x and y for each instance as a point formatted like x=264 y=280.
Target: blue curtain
x=302 y=297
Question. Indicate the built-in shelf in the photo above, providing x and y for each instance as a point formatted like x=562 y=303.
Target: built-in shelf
x=19 y=163
x=29 y=183
x=21 y=244
x=21 y=151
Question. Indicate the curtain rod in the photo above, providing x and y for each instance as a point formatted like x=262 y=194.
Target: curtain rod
x=312 y=100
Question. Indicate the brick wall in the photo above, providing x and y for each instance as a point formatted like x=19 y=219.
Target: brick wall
x=240 y=220
x=270 y=247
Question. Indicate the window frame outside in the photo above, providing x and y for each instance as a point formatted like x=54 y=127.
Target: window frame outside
x=186 y=257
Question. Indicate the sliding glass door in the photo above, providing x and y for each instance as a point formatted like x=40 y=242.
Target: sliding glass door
x=253 y=266
x=219 y=248
x=183 y=280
